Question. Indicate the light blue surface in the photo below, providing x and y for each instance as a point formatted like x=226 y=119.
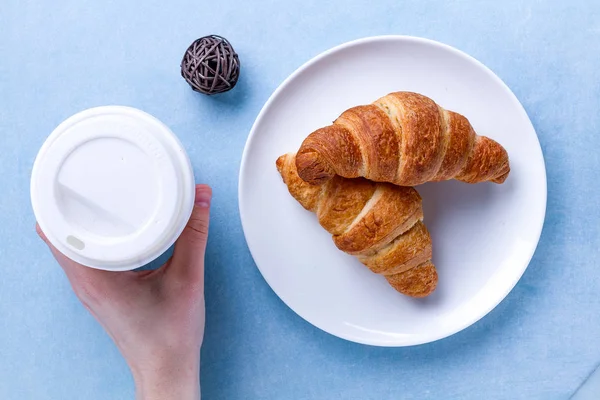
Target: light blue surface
x=590 y=388
x=59 y=57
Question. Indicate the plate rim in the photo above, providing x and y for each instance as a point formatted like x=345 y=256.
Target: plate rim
x=393 y=38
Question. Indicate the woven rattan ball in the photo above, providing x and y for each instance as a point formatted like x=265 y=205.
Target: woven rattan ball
x=210 y=65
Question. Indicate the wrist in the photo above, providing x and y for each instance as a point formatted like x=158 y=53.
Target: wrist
x=168 y=381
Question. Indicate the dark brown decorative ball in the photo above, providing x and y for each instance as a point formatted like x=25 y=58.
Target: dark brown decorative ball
x=210 y=65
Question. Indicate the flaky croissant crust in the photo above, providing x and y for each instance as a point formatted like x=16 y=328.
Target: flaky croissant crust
x=403 y=138
x=379 y=223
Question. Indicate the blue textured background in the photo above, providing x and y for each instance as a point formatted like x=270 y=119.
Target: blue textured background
x=59 y=57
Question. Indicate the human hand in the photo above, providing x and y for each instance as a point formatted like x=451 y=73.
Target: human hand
x=156 y=318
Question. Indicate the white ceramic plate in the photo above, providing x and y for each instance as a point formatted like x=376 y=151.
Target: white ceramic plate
x=483 y=235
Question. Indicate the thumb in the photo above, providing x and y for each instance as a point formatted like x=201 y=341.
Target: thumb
x=188 y=256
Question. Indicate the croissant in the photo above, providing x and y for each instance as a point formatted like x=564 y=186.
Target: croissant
x=403 y=138
x=379 y=223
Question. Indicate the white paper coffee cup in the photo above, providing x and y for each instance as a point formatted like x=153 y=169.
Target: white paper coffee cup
x=112 y=188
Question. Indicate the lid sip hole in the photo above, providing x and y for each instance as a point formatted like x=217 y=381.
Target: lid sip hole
x=75 y=242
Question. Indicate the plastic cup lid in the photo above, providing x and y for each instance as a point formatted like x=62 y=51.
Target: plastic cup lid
x=112 y=188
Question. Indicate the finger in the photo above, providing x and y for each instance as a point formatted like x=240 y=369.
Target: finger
x=65 y=262
x=41 y=233
x=85 y=281
x=188 y=256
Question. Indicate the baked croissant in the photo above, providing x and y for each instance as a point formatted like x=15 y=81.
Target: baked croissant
x=379 y=223
x=403 y=138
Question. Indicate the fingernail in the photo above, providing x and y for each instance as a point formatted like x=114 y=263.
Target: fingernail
x=203 y=198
